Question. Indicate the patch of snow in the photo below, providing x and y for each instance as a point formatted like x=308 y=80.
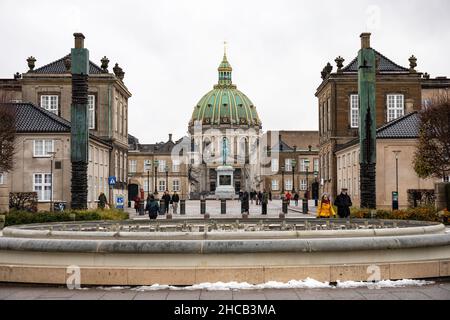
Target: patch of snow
x=112 y=288
x=292 y=284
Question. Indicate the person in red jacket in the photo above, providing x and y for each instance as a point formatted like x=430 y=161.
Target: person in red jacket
x=288 y=197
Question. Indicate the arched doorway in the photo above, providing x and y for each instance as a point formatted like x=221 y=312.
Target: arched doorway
x=133 y=190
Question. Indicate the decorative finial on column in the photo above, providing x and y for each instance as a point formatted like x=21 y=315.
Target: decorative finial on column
x=67 y=63
x=426 y=75
x=118 y=72
x=412 y=63
x=225 y=48
x=17 y=76
x=105 y=62
x=339 y=63
x=31 y=60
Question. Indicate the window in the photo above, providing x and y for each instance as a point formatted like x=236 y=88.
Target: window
x=146 y=185
x=316 y=165
x=303 y=184
x=2 y=177
x=288 y=164
x=354 y=111
x=132 y=166
x=42 y=185
x=303 y=166
x=176 y=166
x=50 y=103
x=275 y=185
x=176 y=185
x=162 y=185
x=444 y=179
x=395 y=106
x=274 y=165
x=91 y=111
x=162 y=166
x=147 y=165
x=41 y=148
x=288 y=184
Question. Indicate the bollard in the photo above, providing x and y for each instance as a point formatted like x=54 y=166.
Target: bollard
x=182 y=207
x=169 y=216
x=264 y=208
x=281 y=215
x=205 y=215
x=305 y=206
x=202 y=206
x=284 y=206
x=223 y=206
x=316 y=202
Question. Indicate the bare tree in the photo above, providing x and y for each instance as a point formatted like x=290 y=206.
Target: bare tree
x=432 y=158
x=7 y=133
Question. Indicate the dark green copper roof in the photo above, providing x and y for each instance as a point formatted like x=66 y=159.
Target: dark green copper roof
x=225 y=104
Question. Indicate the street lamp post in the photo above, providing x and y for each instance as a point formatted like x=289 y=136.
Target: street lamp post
x=395 y=196
x=166 y=169
x=294 y=162
x=305 y=205
x=282 y=179
x=148 y=183
x=52 y=155
x=156 y=164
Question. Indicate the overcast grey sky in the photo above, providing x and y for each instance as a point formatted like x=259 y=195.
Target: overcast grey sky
x=170 y=50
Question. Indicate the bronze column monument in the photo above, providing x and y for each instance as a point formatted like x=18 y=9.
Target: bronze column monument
x=367 y=122
x=79 y=123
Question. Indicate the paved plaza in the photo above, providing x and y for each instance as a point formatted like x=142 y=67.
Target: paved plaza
x=234 y=210
x=436 y=291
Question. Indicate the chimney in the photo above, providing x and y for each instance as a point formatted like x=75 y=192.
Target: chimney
x=79 y=40
x=365 y=40
x=170 y=137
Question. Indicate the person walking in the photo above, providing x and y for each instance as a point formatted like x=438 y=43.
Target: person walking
x=325 y=209
x=270 y=195
x=264 y=201
x=296 y=197
x=137 y=203
x=343 y=203
x=175 y=201
x=166 y=198
x=152 y=207
x=245 y=202
x=260 y=196
x=102 y=201
x=288 y=197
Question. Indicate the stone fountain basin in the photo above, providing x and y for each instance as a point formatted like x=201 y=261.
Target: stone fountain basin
x=42 y=253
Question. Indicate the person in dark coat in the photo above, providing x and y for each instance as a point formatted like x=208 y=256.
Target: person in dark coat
x=166 y=197
x=296 y=197
x=264 y=201
x=175 y=201
x=270 y=195
x=137 y=203
x=245 y=202
x=152 y=207
x=260 y=196
x=343 y=204
x=102 y=201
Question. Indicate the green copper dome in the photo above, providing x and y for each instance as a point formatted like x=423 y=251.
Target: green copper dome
x=225 y=104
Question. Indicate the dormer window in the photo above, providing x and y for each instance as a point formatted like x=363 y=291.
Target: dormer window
x=50 y=103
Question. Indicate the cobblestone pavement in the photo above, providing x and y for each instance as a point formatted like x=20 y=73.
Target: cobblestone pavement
x=234 y=210
x=436 y=291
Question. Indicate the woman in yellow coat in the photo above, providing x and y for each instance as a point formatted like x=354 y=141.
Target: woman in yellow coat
x=325 y=209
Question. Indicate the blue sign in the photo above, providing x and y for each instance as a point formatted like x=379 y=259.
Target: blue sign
x=119 y=202
x=112 y=180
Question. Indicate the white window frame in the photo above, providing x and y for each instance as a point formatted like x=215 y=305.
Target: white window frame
x=50 y=103
x=395 y=104
x=162 y=185
x=145 y=184
x=288 y=165
x=2 y=178
x=316 y=165
x=176 y=185
x=45 y=143
x=303 y=165
x=43 y=184
x=275 y=185
x=91 y=111
x=162 y=165
x=275 y=165
x=288 y=184
x=446 y=178
x=354 y=111
x=303 y=184
x=132 y=166
x=175 y=166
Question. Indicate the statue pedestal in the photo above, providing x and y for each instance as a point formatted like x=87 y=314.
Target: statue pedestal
x=225 y=185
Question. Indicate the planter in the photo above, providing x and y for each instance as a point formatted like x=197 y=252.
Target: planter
x=2 y=221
